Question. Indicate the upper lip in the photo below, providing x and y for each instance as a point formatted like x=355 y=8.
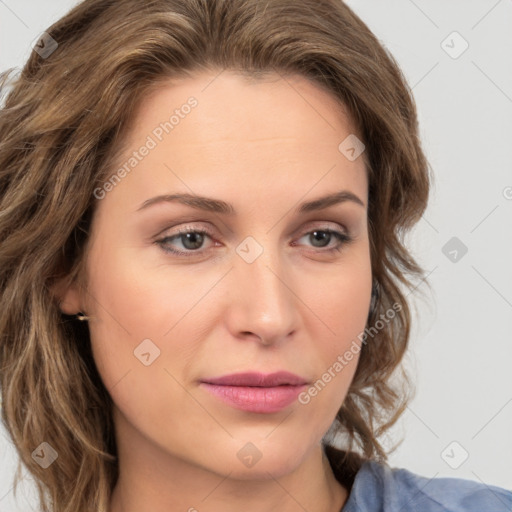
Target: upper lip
x=256 y=379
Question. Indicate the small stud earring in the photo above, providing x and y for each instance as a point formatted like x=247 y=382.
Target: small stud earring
x=80 y=316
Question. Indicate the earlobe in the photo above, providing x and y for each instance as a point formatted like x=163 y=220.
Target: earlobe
x=67 y=296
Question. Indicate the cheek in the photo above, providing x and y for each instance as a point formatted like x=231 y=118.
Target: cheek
x=147 y=298
x=340 y=312
x=134 y=313
x=134 y=301
x=132 y=304
x=340 y=302
x=343 y=312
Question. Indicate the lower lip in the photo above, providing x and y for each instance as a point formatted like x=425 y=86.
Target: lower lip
x=255 y=399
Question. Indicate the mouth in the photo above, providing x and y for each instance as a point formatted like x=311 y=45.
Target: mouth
x=256 y=392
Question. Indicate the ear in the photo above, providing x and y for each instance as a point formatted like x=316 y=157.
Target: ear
x=67 y=296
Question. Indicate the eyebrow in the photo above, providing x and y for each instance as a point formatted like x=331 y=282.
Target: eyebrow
x=217 y=206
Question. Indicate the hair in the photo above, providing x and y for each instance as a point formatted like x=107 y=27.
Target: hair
x=62 y=124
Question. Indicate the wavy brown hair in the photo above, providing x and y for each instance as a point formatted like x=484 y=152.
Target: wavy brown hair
x=61 y=127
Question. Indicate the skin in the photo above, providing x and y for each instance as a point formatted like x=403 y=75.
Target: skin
x=265 y=146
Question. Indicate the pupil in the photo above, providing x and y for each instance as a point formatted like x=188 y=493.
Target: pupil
x=322 y=235
x=195 y=238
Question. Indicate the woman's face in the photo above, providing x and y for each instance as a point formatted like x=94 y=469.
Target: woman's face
x=259 y=286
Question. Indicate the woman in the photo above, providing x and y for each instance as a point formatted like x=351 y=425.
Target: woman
x=202 y=263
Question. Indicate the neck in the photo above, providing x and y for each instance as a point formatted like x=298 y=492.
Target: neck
x=150 y=479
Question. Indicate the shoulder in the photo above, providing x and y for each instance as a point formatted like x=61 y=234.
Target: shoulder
x=378 y=487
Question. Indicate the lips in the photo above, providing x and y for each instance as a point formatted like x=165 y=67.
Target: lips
x=258 y=380
x=256 y=392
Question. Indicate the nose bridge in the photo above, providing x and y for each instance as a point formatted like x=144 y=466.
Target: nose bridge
x=264 y=291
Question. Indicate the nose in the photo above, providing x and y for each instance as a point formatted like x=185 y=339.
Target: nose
x=263 y=305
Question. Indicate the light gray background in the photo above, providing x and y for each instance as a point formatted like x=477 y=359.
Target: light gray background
x=461 y=346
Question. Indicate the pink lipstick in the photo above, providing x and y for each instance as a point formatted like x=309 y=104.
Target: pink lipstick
x=256 y=392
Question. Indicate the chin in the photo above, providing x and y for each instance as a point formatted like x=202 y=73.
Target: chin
x=260 y=460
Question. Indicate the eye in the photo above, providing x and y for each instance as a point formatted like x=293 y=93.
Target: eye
x=192 y=240
x=322 y=237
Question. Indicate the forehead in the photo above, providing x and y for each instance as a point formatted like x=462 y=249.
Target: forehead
x=221 y=132
x=273 y=104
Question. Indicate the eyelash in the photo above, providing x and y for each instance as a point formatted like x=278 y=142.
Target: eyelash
x=343 y=240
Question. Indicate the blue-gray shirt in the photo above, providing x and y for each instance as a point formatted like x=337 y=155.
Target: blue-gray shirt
x=381 y=488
